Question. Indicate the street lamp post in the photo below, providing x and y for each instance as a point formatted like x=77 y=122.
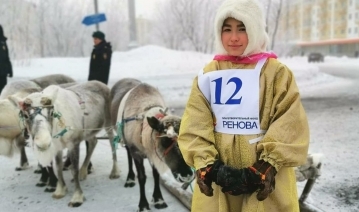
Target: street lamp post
x=132 y=27
x=96 y=12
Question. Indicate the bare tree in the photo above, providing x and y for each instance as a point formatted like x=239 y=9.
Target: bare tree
x=187 y=25
x=279 y=10
x=273 y=13
x=116 y=26
x=166 y=31
x=43 y=28
x=267 y=15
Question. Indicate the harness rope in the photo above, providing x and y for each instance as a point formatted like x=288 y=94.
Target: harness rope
x=58 y=115
x=116 y=140
x=120 y=137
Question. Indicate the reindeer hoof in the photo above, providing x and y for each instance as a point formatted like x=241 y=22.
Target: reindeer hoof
x=37 y=171
x=74 y=204
x=18 y=169
x=161 y=206
x=144 y=209
x=159 y=203
x=130 y=183
x=114 y=176
x=90 y=170
x=22 y=167
x=41 y=184
x=57 y=196
x=50 y=189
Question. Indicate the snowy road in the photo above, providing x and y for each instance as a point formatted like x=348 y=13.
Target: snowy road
x=334 y=124
x=102 y=194
x=333 y=114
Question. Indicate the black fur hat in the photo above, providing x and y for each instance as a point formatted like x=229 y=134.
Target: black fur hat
x=98 y=34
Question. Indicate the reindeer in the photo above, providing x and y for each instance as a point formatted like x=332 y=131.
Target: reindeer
x=25 y=87
x=149 y=131
x=59 y=118
x=118 y=91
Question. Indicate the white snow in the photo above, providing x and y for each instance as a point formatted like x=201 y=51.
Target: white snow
x=172 y=72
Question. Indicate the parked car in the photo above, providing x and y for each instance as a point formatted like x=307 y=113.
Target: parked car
x=315 y=57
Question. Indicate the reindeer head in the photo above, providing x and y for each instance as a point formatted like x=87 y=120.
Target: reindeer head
x=165 y=134
x=37 y=113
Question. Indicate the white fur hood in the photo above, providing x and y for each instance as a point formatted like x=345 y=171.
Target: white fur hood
x=250 y=13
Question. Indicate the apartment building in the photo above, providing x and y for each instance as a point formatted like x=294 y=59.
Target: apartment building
x=327 y=26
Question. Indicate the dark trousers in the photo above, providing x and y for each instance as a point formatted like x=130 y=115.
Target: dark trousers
x=3 y=82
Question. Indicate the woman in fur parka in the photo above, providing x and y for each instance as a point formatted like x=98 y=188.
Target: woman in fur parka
x=244 y=127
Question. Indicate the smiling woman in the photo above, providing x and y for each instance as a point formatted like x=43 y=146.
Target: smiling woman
x=244 y=126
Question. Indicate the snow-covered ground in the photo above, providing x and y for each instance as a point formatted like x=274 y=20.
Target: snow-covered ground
x=172 y=72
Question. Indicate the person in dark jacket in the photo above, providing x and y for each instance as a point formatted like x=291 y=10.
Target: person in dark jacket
x=5 y=64
x=100 y=58
x=100 y=63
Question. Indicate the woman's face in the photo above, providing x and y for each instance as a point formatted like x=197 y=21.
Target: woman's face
x=234 y=37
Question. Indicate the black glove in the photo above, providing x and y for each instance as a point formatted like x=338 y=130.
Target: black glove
x=235 y=181
x=10 y=74
x=267 y=178
x=204 y=180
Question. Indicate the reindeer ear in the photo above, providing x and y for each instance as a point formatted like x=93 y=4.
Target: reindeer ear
x=15 y=100
x=154 y=123
x=22 y=105
x=45 y=101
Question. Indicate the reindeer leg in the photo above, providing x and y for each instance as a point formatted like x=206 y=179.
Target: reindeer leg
x=20 y=142
x=143 y=205
x=24 y=163
x=89 y=168
x=91 y=146
x=38 y=170
x=67 y=163
x=130 y=182
x=53 y=180
x=44 y=177
x=61 y=188
x=78 y=197
x=157 y=195
x=115 y=172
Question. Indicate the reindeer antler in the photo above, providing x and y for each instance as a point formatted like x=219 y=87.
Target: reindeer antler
x=45 y=101
x=25 y=104
x=28 y=102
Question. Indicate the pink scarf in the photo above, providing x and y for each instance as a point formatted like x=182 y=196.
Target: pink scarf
x=254 y=58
